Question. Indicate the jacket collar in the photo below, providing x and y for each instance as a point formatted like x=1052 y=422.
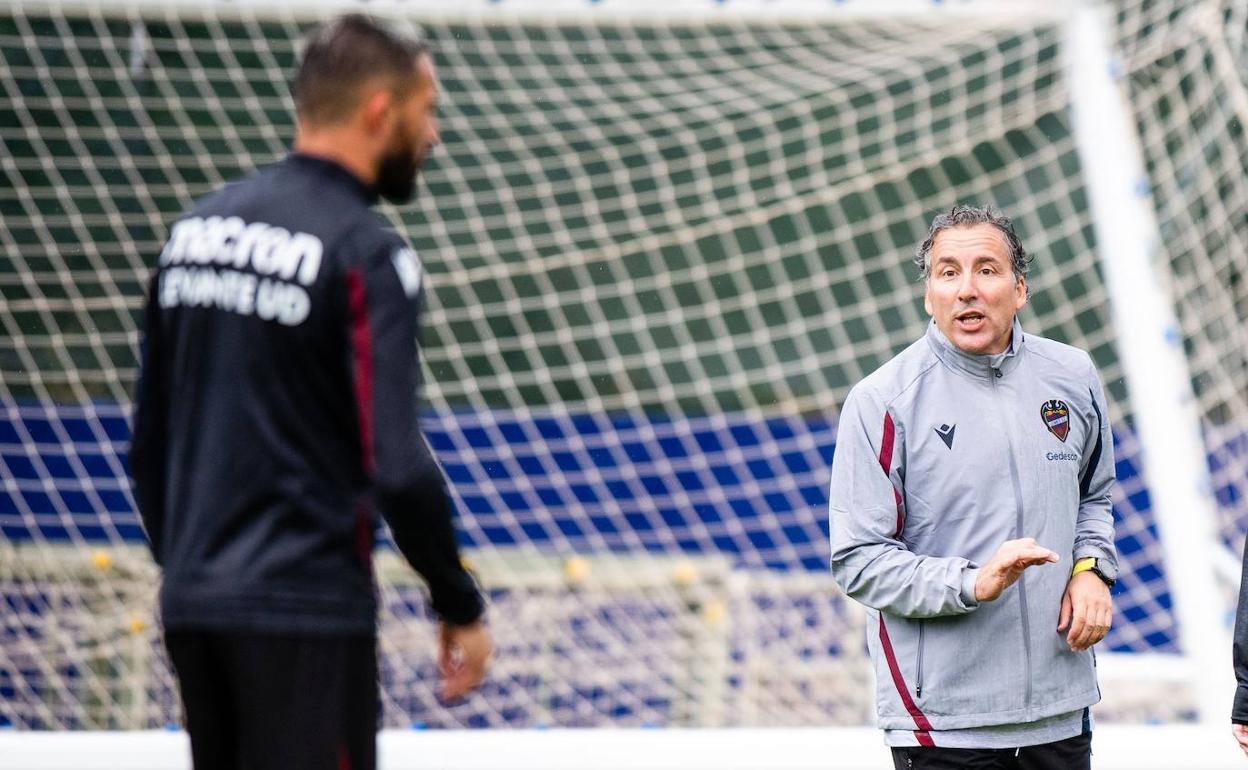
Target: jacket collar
x=334 y=172
x=971 y=363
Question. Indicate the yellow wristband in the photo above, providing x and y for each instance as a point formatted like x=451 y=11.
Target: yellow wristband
x=1083 y=565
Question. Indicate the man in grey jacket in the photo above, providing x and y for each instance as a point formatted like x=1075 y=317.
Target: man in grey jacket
x=970 y=513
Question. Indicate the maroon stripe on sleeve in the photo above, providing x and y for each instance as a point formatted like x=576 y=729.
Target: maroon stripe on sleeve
x=886 y=462
x=362 y=357
x=886 y=444
x=920 y=719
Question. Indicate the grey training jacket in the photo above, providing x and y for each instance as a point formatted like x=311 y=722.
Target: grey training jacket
x=941 y=456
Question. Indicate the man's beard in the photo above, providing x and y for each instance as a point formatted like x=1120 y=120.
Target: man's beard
x=396 y=174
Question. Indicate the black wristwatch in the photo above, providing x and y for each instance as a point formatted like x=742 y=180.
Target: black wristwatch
x=1105 y=571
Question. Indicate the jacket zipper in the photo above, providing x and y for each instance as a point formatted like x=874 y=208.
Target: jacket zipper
x=918 y=674
x=1018 y=533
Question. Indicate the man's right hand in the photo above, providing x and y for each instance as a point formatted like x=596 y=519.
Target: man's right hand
x=463 y=652
x=1006 y=566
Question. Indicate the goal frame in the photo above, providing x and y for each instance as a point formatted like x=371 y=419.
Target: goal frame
x=1149 y=341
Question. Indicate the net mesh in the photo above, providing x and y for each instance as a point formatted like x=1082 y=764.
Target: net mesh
x=659 y=254
x=1190 y=97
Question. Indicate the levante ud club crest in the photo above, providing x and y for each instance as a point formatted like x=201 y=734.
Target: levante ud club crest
x=1056 y=418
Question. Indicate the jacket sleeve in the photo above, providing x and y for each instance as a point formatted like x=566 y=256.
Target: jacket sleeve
x=147 y=439
x=1239 y=650
x=870 y=562
x=408 y=481
x=1094 y=527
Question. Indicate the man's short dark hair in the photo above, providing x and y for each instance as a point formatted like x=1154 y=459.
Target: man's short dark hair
x=344 y=55
x=968 y=216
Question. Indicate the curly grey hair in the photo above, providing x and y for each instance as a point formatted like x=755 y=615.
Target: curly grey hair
x=967 y=216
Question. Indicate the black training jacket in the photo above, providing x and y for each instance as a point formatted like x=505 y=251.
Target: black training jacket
x=277 y=413
x=1239 y=708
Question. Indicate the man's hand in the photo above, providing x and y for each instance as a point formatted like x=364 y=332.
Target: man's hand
x=1086 y=610
x=1241 y=736
x=1006 y=566
x=463 y=652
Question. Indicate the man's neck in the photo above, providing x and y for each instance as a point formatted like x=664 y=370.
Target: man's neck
x=342 y=148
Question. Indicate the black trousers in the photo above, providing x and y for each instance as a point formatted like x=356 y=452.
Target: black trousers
x=1070 y=754
x=261 y=702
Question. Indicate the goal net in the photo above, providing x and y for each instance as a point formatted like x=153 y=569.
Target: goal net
x=659 y=253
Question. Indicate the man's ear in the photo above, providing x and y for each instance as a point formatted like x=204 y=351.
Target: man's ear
x=377 y=111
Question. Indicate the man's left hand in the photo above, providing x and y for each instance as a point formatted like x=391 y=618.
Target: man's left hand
x=463 y=654
x=1087 y=611
x=1241 y=736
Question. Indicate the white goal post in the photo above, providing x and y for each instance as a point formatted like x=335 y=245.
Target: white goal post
x=1151 y=345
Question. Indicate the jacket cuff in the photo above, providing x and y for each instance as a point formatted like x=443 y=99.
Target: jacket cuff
x=1239 y=711
x=1087 y=550
x=969 y=576
x=458 y=602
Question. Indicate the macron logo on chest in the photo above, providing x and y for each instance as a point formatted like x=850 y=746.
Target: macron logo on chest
x=946 y=434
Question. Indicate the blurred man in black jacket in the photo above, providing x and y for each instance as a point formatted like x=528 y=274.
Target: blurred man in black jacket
x=1239 y=709
x=277 y=415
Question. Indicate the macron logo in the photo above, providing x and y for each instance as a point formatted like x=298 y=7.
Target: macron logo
x=407 y=265
x=946 y=434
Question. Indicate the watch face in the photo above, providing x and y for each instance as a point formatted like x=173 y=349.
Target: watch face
x=1105 y=572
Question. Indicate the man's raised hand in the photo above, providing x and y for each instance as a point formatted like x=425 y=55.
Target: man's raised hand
x=1007 y=564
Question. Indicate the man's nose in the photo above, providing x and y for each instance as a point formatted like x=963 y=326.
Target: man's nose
x=968 y=287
